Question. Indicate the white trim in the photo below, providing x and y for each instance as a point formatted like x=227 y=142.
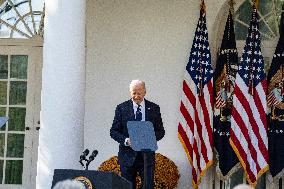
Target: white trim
x=33 y=42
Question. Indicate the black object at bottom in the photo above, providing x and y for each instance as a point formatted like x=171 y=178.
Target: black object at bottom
x=145 y=158
x=98 y=179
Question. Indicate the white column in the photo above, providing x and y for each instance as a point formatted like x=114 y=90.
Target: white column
x=63 y=89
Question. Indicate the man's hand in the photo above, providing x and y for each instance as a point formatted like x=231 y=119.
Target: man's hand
x=127 y=142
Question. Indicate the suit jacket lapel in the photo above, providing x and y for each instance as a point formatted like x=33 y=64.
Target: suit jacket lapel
x=147 y=110
x=130 y=111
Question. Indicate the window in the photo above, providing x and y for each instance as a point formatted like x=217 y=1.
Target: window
x=21 y=18
x=13 y=81
x=269 y=13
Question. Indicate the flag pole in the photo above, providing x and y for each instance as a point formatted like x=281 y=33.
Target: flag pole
x=231 y=4
x=282 y=81
x=251 y=71
x=203 y=6
x=203 y=9
x=256 y=3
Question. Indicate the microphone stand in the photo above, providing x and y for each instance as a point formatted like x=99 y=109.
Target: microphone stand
x=91 y=158
x=87 y=165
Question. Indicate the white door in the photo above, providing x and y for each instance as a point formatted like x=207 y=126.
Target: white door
x=20 y=85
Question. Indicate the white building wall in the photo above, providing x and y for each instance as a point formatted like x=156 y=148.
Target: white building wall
x=149 y=40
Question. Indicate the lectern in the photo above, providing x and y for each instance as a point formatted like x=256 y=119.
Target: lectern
x=143 y=139
x=92 y=179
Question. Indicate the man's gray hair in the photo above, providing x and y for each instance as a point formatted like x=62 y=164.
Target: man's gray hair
x=136 y=82
x=243 y=186
x=69 y=184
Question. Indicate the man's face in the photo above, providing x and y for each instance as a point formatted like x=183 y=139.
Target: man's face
x=137 y=93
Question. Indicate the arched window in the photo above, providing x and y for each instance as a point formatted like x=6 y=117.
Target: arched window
x=21 y=18
x=269 y=13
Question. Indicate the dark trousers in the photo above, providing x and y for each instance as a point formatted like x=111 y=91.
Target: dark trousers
x=130 y=172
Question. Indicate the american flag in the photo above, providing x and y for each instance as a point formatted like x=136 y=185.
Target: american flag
x=248 y=134
x=195 y=124
x=272 y=100
x=220 y=101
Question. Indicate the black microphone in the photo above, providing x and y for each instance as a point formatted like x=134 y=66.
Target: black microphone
x=92 y=157
x=83 y=157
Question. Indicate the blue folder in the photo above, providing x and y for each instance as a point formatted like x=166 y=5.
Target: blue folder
x=142 y=136
x=3 y=120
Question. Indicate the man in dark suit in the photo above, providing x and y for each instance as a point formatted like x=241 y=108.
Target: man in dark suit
x=136 y=109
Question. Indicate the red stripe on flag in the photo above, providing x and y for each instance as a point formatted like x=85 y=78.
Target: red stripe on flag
x=194 y=177
x=271 y=99
x=242 y=155
x=192 y=100
x=245 y=132
x=189 y=94
x=220 y=103
x=259 y=106
x=206 y=119
x=187 y=117
x=199 y=131
x=185 y=141
x=252 y=121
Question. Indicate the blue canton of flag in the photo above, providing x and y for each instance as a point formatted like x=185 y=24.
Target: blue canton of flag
x=251 y=68
x=199 y=64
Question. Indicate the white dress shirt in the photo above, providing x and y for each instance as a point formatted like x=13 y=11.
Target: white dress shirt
x=142 y=108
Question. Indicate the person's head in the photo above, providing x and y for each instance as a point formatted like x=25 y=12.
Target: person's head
x=69 y=184
x=243 y=186
x=137 y=90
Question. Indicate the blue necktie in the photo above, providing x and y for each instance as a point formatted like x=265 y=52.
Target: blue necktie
x=138 y=113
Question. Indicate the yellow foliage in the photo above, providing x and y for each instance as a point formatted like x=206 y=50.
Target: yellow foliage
x=166 y=172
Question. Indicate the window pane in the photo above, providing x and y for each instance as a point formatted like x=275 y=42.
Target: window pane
x=18 y=92
x=242 y=31
x=2 y=144
x=265 y=30
x=1 y=170
x=15 y=147
x=235 y=179
x=261 y=182
x=3 y=66
x=269 y=15
x=266 y=64
x=17 y=119
x=3 y=92
x=21 y=7
x=279 y=4
x=2 y=114
x=273 y=23
x=19 y=64
x=265 y=6
x=13 y=172
x=244 y=12
x=16 y=22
